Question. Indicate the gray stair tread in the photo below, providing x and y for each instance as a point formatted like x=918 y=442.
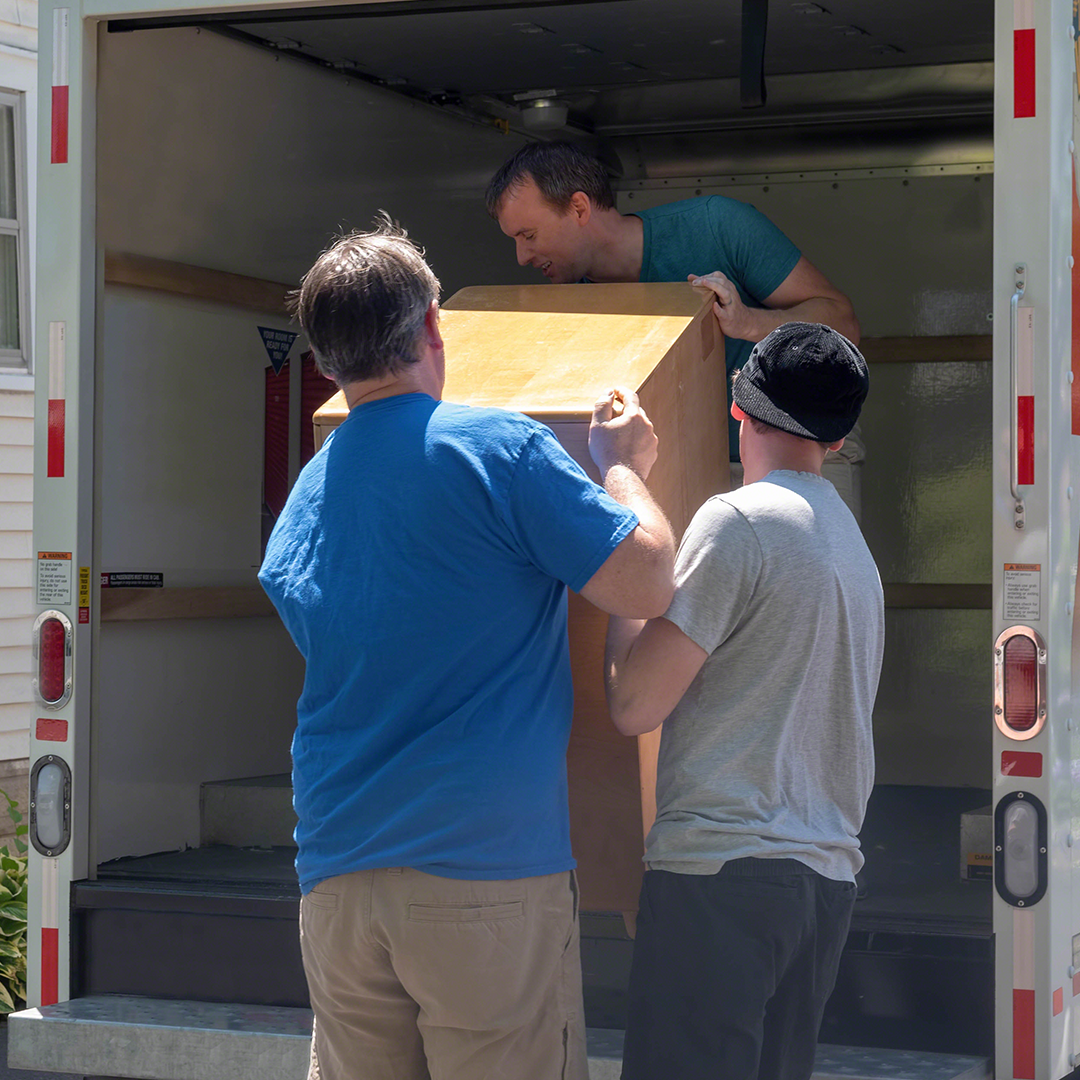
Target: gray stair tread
x=179 y=1039
x=861 y=1063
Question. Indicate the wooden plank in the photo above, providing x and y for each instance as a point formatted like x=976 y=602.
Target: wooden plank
x=931 y=596
x=197 y=282
x=927 y=350
x=233 y=601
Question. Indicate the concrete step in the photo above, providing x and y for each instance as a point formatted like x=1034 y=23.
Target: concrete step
x=254 y=811
x=190 y=1040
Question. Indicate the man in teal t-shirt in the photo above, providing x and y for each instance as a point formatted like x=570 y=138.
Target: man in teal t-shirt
x=555 y=202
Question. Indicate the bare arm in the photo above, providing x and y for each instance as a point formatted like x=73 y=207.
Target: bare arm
x=648 y=667
x=637 y=578
x=805 y=295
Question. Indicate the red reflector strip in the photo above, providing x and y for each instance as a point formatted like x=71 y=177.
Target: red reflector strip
x=1025 y=440
x=1023 y=73
x=1059 y=1001
x=55 y=448
x=50 y=965
x=50 y=729
x=57 y=409
x=1020 y=763
x=1023 y=1035
x=59 y=141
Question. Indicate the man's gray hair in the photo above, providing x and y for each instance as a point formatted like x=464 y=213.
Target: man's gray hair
x=363 y=303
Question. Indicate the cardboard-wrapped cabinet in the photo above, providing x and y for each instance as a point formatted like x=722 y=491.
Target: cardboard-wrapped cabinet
x=551 y=351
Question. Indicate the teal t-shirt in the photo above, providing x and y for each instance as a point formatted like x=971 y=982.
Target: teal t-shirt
x=698 y=236
x=421 y=565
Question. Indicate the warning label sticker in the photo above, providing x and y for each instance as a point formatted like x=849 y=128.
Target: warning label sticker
x=1022 y=592
x=53 y=578
x=132 y=579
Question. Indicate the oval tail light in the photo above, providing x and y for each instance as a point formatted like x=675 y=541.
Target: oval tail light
x=1019 y=683
x=52 y=638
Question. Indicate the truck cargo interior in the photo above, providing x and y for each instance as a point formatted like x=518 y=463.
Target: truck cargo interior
x=231 y=147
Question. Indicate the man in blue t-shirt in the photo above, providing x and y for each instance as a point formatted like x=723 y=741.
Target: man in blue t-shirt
x=421 y=566
x=555 y=202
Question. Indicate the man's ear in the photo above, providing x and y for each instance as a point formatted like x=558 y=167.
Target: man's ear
x=581 y=207
x=432 y=335
x=836 y=445
x=738 y=413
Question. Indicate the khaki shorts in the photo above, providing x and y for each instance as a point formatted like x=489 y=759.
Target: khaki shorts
x=416 y=977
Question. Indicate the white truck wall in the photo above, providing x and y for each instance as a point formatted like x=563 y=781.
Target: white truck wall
x=218 y=154
x=183 y=701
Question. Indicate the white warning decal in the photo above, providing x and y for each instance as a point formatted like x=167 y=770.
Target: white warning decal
x=1022 y=592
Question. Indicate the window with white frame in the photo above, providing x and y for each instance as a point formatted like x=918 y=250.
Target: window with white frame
x=14 y=328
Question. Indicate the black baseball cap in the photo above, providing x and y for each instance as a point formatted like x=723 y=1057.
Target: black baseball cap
x=806 y=379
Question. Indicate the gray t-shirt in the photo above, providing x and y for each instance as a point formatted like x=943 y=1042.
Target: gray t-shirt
x=769 y=754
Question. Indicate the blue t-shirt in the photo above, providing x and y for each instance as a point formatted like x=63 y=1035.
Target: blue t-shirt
x=698 y=236
x=420 y=565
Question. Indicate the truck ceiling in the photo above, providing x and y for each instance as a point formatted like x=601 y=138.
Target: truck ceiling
x=601 y=69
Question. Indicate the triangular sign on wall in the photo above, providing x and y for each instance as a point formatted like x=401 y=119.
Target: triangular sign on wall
x=278 y=343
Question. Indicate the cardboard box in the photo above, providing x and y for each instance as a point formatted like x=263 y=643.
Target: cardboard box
x=550 y=351
x=977 y=844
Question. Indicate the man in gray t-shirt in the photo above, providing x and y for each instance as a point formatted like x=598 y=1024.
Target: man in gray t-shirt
x=763 y=671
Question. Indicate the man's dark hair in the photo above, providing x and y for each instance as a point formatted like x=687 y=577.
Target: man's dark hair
x=558 y=169
x=761 y=428
x=363 y=303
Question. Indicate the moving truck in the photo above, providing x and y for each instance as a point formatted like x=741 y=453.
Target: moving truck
x=196 y=158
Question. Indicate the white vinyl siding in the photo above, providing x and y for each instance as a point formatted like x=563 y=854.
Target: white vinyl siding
x=16 y=570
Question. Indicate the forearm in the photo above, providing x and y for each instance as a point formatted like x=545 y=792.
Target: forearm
x=653 y=539
x=621 y=636
x=637 y=580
